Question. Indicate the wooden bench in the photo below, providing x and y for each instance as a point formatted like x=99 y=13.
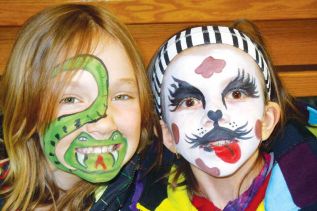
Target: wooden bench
x=289 y=28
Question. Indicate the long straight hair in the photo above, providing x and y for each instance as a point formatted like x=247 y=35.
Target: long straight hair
x=28 y=99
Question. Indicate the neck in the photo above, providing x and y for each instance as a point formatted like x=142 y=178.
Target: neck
x=221 y=190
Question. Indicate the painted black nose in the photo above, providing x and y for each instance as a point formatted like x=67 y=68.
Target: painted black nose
x=214 y=115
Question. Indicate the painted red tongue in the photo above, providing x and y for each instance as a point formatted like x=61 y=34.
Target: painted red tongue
x=229 y=153
x=100 y=161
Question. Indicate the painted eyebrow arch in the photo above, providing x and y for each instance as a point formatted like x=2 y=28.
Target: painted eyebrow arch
x=182 y=90
x=242 y=81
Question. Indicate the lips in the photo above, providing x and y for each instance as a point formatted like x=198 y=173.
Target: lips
x=228 y=151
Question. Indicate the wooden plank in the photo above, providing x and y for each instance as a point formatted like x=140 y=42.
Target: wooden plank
x=292 y=44
x=15 y=12
x=289 y=42
x=7 y=38
x=300 y=83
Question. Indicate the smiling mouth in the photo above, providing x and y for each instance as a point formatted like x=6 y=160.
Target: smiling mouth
x=83 y=153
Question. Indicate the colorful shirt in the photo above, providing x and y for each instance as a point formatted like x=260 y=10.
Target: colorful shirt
x=291 y=185
x=252 y=197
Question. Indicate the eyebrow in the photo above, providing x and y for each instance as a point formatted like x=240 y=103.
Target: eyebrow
x=183 y=90
x=125 y=82
x=241 y=82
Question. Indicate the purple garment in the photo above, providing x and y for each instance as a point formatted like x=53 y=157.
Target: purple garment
x=137 y=193
x=244 y=199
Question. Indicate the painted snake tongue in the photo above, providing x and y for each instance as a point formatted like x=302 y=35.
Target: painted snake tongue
x=82 y=158
x=100 y=161
x=229 y=153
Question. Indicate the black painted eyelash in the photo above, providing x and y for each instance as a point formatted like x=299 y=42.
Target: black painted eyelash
x=183 y=90
x=172 y=98
x=243 y=82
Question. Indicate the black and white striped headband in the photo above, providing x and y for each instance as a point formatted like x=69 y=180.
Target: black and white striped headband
x=200 y=36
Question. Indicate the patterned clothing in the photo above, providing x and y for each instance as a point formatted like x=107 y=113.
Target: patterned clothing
x=245 y=200
x=117 y=195
x=291 y=184
x=120 y=191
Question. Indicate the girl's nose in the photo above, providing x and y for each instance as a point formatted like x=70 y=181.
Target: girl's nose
x=102 y=128
x=211 y=118
x=214 y=115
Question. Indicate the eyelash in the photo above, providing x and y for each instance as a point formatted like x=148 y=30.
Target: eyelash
x=244 y=85
x=180 y=92
x=239 y=90
x=177 y=103
x=183 y=102
x=120 y=96
x=174 y=103
x=63 y=100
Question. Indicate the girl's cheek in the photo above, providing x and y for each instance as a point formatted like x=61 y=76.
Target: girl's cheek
x=258 y=129
x=175 y=131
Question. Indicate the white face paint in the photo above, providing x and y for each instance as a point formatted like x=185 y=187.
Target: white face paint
x=213 y=102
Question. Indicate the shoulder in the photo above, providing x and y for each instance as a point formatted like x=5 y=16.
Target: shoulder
x=294 y=175
x=295 y=134
x=118 y=193
x=160 y=196
x=155 y=182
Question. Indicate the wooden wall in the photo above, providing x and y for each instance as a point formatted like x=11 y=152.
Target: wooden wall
x=289 y=28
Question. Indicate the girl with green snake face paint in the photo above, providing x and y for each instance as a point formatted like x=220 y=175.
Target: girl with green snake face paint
x=85 y=139
x=71 y=100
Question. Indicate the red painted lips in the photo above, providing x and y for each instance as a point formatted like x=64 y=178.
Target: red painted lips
x=229 y=153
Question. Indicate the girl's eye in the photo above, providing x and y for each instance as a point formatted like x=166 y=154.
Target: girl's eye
x=237 y=94
x=122 y=97
x=69 y=100
x=189 y=102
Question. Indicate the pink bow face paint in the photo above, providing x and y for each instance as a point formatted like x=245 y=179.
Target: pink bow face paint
x=213 y=103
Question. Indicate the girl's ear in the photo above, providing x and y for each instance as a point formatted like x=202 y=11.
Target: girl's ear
x=168 y=139
x=270 y=119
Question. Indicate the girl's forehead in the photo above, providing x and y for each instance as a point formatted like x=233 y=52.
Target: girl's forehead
x=212 y=61
x=114 y=56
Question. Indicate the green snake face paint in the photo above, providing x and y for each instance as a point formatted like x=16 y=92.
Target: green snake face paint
x=91 y=159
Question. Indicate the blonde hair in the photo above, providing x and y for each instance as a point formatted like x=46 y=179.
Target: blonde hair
x=28 y=98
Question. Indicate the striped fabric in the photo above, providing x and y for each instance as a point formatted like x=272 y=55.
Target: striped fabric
x=199 y=36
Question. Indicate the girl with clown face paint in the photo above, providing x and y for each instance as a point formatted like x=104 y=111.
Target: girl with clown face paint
x=221 y=108
x=219 y=130
x=75 y=115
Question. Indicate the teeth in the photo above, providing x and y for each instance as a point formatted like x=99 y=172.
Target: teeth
x=97 y=150
x=104 y=149
x=221 y=143
x=81 y=158
x=115 y=155
x=111 y=148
